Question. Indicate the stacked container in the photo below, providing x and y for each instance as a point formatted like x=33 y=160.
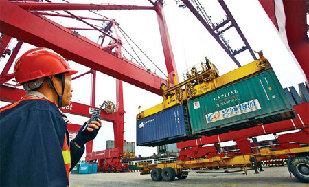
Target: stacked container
x=110 y=144
x=168 y=149
x=128 y=147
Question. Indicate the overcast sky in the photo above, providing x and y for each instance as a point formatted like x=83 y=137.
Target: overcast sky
x=191 y=42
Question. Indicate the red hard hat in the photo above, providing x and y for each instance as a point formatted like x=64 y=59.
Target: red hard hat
x=39 y=62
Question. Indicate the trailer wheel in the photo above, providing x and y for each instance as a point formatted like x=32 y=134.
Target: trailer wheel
x=299 y=167
x=168 y=174
x=182 y=175
x=156 y=174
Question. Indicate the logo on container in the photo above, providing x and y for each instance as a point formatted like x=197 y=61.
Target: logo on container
x=142 y=124
x=212 y=117
x=239 y=109
x=226 y=98
x=197 y=105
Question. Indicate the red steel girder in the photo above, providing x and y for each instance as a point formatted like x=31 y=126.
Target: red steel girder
x=9 y=94
x=4 y=77
x=166 y=44
x=70 y=16
x=119 y=123
x=75 y=6
x=39 y=31
x=296 y=28
x=4 y=41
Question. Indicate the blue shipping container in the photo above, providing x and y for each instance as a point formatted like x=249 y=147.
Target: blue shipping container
x=94 y=168
x=85 y=168
x=164 y=127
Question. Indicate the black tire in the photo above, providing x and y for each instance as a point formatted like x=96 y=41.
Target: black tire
x=299 y=167
x=182 y=175
x=168 y=174
x=289 y=164
x=156 y=174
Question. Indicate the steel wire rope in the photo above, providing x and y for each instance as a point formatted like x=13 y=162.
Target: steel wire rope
x=124 y=33
x=133 y=57
x=133 y=49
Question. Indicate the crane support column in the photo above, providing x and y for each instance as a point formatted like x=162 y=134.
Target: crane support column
x=166 y=44
x=119 y=122
x=296 y=28
x=89 y=145
x=296 y=31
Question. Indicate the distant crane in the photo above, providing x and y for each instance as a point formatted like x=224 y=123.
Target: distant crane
x=217 y=29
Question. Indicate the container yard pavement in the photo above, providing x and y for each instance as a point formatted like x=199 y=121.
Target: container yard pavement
x=272 y=176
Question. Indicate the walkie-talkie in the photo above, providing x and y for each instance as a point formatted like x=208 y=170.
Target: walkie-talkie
x=95 y=116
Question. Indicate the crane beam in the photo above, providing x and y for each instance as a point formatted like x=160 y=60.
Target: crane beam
x=40 y=31
x=76 y=6
x=10 y=94
x=166 y=44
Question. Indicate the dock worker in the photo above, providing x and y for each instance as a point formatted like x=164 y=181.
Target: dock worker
x=34 y=144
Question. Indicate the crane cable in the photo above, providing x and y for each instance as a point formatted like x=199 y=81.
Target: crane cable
x=125 y=34
x=133 y=49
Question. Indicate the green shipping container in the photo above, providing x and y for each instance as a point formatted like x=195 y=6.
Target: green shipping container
x=254 y=100
x=134 y=167
x=75 y=169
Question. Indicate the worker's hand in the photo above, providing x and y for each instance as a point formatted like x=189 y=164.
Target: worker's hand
x=94 y=125
x=88 y=132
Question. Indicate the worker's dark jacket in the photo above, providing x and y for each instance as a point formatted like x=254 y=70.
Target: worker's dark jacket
x=31 y=140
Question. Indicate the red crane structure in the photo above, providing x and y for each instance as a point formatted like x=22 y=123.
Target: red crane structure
x=40 y=31
x=296 y=28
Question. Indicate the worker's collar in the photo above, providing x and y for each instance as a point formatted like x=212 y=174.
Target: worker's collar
x=36 y=94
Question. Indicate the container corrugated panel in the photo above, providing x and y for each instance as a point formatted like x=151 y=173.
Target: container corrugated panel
x=289 y=96
x=257 y=99
x=129 y=147
x=169 y=149
x=172 y=148
x=164 y=127
x=94 y=168
x=304 y=92
x=110 y=144
x=295 y=95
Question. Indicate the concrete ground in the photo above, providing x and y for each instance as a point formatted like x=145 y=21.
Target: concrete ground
x=272 y=176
